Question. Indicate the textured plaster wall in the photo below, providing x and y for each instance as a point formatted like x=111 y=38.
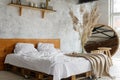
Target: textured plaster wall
x=104 y=11
x=31 y=25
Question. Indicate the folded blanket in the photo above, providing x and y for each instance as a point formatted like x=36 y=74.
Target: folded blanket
x=100 y=63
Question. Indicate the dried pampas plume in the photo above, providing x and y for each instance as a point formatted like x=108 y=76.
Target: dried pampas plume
x=89 y=20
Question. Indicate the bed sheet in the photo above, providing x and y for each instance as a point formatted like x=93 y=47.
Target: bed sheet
x=60 y=66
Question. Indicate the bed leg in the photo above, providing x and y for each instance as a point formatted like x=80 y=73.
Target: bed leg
x=73 y=77
x=88 y=74
x=39 y=76
x=25 y=73
x=14 y=69
x=7 y=67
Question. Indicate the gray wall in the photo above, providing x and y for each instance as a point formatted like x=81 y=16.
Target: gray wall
x=31 y=25
x=104 y=11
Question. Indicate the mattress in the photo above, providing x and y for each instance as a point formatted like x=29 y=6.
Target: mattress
x=60 y=66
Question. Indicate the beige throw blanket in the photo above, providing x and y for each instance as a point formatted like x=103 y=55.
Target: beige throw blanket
x=100 y=63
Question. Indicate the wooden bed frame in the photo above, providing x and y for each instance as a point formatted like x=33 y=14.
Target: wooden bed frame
x=7 y=47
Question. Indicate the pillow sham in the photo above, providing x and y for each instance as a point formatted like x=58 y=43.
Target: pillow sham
x=21 y=48
x=45 y=47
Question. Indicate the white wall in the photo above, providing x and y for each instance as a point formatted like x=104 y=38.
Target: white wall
x=104 y=11
x=31 y=25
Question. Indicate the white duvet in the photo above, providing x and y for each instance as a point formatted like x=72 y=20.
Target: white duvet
x=54 y=63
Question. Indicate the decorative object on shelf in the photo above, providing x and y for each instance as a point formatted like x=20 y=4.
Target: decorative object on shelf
x=35 y=5
x=11 y=1
x=31 y=4
x=19 y=2
x=86 y=26
x=47 y=3
x=42 y=5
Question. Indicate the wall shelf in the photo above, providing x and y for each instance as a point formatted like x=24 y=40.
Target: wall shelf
x=33 y=8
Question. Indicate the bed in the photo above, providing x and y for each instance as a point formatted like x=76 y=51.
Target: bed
x=61 y=66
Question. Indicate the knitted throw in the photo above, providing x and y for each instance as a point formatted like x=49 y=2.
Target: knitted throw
x=100 y=63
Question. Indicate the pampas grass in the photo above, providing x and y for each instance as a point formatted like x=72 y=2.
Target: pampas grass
x=86 y=26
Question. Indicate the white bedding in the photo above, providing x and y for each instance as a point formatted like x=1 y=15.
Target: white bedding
x=58 y=65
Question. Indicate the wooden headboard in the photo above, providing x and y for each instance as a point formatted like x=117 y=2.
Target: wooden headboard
x=7 y=45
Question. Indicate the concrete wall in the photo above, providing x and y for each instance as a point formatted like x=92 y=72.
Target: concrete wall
x=104 y=11
x=31 y=25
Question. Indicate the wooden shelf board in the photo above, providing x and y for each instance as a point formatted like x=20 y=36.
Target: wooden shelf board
x=34 y=8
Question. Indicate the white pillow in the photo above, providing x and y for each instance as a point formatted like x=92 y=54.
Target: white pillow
x=45 y=47
x=21 y=48
x=45 y=53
